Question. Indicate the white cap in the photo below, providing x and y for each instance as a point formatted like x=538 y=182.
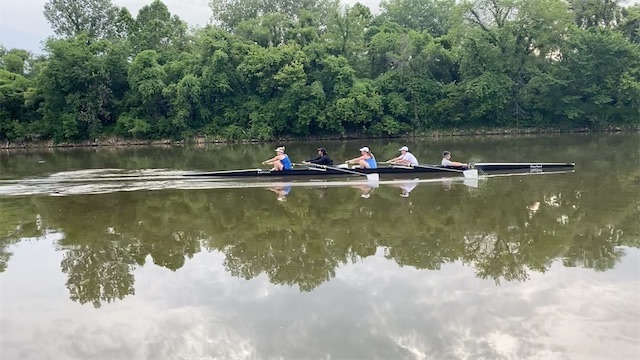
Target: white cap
x=365 y=149
x=404 y=148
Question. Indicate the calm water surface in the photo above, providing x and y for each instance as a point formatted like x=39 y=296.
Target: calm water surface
x=543 y=266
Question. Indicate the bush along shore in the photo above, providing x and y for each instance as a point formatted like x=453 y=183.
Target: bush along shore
x=301 y=70
x=201 y=140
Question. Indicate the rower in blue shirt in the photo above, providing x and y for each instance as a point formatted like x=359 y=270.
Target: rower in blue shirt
x=280 y=162
x=366 y=160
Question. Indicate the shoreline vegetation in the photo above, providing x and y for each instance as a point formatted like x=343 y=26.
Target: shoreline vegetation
x=202 y=140
x=265 y=71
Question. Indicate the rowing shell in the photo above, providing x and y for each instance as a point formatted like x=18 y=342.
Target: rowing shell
x=396 y=170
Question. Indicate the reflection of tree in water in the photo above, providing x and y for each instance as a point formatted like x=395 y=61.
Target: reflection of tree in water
x=103 y=247
x=596 y=251
x=495 y=258
x=507 y=229
x=287 y=262
x=19 y=219
x=99 y=273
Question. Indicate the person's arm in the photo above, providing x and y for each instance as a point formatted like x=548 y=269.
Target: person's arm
x=314 y=161
x=270 y=161
x=453 y=163
x=354 y=160
x=273 y=159
x=395 y=159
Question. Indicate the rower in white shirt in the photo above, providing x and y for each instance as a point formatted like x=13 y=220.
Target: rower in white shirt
x=446 y=161
x=405 y=158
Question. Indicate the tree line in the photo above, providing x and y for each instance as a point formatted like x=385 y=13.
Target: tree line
x=267 y=69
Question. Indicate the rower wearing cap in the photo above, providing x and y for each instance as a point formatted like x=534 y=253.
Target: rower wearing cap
x=366 y=160
x=322 y=159
x=446 y=161
x=405 y=158
x=280 y=161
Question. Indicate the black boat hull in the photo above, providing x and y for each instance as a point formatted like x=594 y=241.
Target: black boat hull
x=312 y=171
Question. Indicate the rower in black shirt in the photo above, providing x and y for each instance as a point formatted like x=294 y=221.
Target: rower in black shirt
x=322 y=159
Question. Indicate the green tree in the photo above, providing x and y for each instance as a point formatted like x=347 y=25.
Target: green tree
x=147 y=106
x=597 y=80
x=98 y=19
x=271 y=29
x=433 y=16
x=16 y=61
x=230 y=13
x=345 y=34
x=631 y=25
x=13 y=88
x=504 y=44
x=596 y=13
x=77 y=87
x=156 y=29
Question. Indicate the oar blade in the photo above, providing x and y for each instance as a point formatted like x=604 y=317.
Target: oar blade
x=471 y=173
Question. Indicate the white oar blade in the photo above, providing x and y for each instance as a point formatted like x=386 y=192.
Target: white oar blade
x=373 y=177
x=471 y=174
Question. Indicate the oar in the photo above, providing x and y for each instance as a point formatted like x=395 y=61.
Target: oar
x=370 y=177
x=396 y=165
x=310 y=166
x=471 y=173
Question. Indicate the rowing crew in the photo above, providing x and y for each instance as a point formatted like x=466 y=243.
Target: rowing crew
x=366 y=160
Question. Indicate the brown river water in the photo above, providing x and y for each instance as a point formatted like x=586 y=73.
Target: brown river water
x=109 y=253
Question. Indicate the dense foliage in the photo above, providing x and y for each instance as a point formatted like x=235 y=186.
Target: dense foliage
x=268 y=69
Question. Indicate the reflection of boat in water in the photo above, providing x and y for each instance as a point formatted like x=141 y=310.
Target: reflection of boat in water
x=282 y=189
x=131 y=181
x=319 y=171
x=471 y=182
x=366 y=188
x=407 y=186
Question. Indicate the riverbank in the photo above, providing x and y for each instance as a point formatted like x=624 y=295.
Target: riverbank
x=203 y=139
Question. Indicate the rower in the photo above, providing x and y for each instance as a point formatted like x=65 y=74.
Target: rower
x=322 y=159
x=405 y=158
x=280 y=161
x=366 y=160
x=446 y=161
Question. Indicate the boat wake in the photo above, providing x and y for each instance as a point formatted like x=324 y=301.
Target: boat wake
x=102 y=181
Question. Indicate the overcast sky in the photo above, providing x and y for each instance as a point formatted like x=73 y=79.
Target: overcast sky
x=22 y=24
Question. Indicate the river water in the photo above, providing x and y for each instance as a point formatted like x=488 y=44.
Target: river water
x=107 y=253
